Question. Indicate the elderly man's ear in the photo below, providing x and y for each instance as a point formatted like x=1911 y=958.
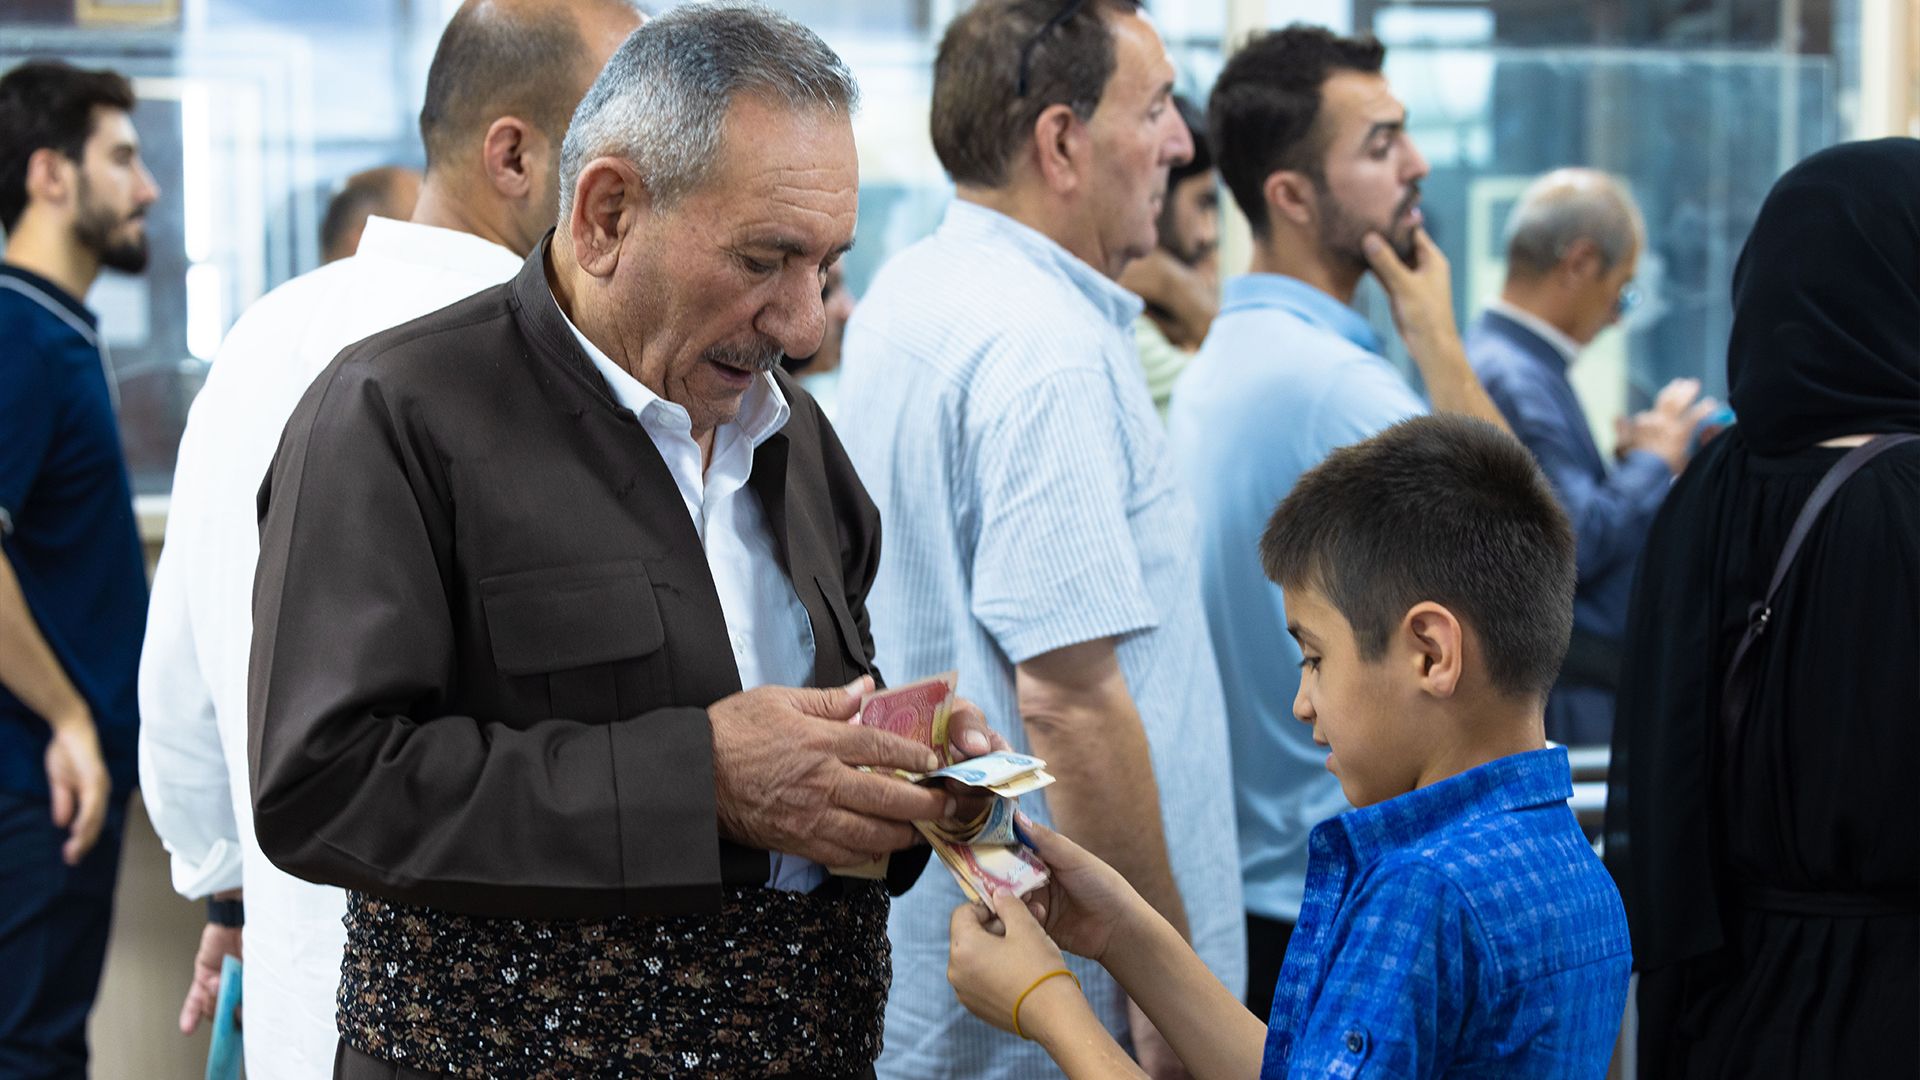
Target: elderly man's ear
x=608 y=203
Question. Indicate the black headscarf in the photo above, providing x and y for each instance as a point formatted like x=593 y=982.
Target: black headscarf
x=1826 y=301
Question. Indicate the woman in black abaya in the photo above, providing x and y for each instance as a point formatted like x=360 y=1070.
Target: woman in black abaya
x=1772 y=879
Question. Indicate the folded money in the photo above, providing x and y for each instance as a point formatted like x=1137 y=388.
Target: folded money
x=919 y=711
x=985 y=869
x=986 y=855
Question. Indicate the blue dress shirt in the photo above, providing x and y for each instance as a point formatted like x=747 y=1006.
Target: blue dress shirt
x=1465 y=928
x=1611 y=511
x=1287 y=375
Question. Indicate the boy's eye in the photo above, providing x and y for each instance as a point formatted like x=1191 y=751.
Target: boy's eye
x=1309 y=663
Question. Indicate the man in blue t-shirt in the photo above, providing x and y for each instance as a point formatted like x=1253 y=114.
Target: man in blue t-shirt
x=1313 y=145
x=73 y=199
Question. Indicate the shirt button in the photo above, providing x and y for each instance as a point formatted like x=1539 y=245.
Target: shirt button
x=1356 y=1042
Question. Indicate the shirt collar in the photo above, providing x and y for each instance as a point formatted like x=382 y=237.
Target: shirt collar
x=431 y=245
x=1568 y=348
x=972 y=222
x=49 y=292
x=1302 y=300
x=1514 y=782
x=763 y=409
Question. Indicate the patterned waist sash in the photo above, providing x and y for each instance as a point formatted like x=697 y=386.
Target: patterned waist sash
x=774 y=982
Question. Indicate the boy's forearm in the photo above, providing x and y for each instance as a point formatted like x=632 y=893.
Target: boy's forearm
x=1056 y=1015
x=1212 y=1032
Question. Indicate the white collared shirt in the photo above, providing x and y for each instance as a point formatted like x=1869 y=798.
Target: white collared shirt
x=193 y=666
x=766 y=623
x=1568 y=348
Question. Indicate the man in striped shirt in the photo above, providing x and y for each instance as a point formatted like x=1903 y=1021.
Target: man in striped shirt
x=995 y=408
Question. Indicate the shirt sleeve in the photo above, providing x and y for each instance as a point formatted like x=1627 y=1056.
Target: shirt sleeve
x=1611 y=514
x=1393 y=1000
x=1055 y=564
x=183 y=768
x=28 y=415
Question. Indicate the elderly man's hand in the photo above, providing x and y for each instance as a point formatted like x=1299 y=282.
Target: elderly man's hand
x=786 y=776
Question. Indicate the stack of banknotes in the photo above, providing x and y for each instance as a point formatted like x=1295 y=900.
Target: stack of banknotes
x=986 y=855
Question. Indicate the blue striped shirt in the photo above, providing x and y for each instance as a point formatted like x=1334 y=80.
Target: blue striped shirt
x=994 y=406
x=1462 y=929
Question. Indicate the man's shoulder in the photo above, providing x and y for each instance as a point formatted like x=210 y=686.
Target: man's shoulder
x=458 y=335
x=32 y=328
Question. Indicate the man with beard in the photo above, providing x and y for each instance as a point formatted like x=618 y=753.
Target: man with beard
x=73 y=199
x=1314 y=147
x=503 y=84
x=561 y=615
x=1179 y=280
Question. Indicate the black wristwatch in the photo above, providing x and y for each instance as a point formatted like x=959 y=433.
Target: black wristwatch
x=232 y=913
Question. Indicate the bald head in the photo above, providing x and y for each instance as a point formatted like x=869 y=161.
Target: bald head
x=1561 y=209
x=530 y=59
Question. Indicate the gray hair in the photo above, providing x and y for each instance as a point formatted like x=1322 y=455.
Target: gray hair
x=662 y=100
x=1565 y=206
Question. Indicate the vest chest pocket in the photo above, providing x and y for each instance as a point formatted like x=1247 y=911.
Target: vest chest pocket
x=583 y=630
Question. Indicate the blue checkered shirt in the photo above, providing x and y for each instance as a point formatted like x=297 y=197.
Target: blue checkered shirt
x=1463 y=929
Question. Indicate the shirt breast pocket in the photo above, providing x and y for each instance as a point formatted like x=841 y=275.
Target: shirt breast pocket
x=590 y=633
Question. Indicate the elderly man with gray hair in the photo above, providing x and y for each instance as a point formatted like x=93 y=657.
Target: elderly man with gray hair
x=1573 y=244
x=561 y=613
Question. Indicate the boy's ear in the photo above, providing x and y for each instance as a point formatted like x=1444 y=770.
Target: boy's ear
x=1437 y=642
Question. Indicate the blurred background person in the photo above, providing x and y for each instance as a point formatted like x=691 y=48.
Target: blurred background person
x=500 y=92
x=1036 y=538
x=1768 y=859
x=820 y=373
x=1179 y=280
x=1313 y=144
x=74 y=195
x=1573 y=243
x=388 y=191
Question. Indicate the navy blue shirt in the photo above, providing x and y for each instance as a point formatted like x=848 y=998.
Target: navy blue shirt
x=1464 y=928
x=66 y=516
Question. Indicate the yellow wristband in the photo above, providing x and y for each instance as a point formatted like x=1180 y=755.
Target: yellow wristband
x=1021 y=1000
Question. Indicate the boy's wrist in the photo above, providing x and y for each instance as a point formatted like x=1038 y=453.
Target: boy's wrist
x=1053 y=1012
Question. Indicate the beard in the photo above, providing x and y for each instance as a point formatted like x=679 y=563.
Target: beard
x=758 y=357
x=98 y=230
x=1341 y=231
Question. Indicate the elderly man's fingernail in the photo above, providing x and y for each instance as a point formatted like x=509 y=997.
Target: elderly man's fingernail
x=930 y=762
x=975 y=740
x=1371 y=242
x=953 y=807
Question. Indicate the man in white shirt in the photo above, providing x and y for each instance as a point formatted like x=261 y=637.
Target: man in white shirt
x=503 y=84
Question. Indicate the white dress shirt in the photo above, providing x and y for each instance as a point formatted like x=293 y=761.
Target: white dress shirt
x=766 y=623
x=193 y=668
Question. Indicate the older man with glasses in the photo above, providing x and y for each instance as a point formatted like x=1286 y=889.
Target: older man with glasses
x=1037 y=539
x=1573 y=245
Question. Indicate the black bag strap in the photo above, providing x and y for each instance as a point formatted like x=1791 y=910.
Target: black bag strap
x=1738 y=686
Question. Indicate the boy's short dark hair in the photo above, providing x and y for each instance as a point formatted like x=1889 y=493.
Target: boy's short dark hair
x=1438 y=508
x=48 y=104
x=979 y=119
x=1265 y=106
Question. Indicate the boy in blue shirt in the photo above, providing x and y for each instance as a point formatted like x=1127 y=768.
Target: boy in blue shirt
x=1457 y=922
